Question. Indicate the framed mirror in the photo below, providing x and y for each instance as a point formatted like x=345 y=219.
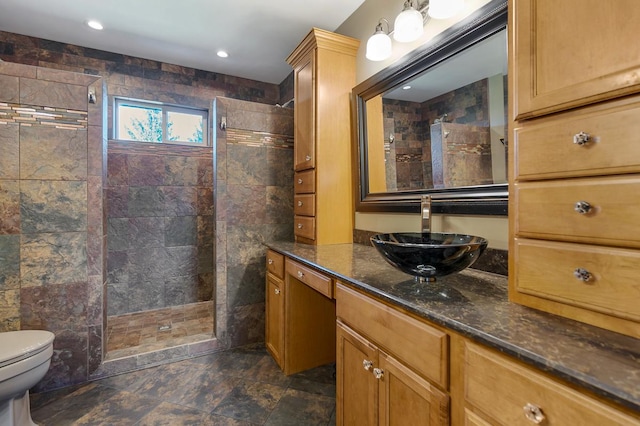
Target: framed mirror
x=435 y=122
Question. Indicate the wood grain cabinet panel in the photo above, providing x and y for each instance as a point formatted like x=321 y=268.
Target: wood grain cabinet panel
x=512 y=394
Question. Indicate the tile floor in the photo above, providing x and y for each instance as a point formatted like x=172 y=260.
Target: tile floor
x=237 y=387
x=148 y=331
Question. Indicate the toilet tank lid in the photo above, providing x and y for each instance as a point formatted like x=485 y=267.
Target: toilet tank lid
x=19 y=344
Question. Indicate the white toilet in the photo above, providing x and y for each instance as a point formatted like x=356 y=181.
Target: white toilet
x=24 y=360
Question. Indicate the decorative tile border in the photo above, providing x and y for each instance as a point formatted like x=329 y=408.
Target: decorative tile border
x=59 y=118
x=259 y=139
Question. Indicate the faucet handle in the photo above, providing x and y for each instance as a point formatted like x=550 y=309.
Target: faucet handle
x=425 y=213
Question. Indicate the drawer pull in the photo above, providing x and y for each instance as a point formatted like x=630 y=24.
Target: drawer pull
x=367 y=364
x=299 y=226
x=270 y=261
x=378 y=373
x=300 y=274
x=582 y=207
x=276 y=291
x=300 y=203
x=307 y=158
x=582 y=274
x=581 y=138
x=533 y=413
x=299 y=181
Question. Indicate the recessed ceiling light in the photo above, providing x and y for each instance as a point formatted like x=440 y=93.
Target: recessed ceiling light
x=222 y=54
x=407 y=87
x=95 y=25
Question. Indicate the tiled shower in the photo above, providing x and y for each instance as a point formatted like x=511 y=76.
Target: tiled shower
x=149 y=239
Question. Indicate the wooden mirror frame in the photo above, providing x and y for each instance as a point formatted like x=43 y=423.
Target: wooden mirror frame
x=468 y=200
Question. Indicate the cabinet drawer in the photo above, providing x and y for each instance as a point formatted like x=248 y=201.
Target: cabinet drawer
x=313 y=279
x=501 y=388
x=421 y=347
x=304 y=182
x=553 y=271
x=304 y=205
x=547 y=210
x=304 y=226
x=275 y=263
x=546 y=149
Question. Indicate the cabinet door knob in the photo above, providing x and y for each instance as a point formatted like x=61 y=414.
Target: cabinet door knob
x=581 y=138
x=582 y=274
x=307 y=158
x=276 y=291
x=300 y=274
x=300 y=203
x=378 y=373
x=299 y=181
x=533 y=413
x=582 y=207
x=270 y=261
x=367 y=364
x=299 y=226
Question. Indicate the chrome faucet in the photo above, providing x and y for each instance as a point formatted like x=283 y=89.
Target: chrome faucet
x=425 y=212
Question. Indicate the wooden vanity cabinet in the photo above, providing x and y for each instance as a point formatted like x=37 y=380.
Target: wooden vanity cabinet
x=501 y=391
x=575 y=162
x=391 y=369
x=324 y=67
x=300 y=315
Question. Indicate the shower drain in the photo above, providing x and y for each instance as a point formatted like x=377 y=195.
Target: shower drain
x=164 y=327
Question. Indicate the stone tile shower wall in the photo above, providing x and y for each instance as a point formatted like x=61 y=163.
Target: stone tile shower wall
x=52 y=153
x=254 y=203
x=159 y=226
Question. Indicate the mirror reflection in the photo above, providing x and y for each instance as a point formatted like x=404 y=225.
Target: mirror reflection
x=445 y=128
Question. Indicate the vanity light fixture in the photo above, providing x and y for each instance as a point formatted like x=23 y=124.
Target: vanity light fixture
x=408 y=25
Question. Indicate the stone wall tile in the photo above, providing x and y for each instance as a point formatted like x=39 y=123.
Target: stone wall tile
x=279 y=169
x=96 y=344
x=246 y=165
x=117 y=201
x=182 y=261
x=146 y=170
x=246 y=204
x=206 y=282
x=51 y=153
x=246 y=325
x=145 y=201
x=245 y=284
x=204 y=201
x=245 y=245
x=53 y=206
x=53 y=258
x=180 y=200
x=9 y=262
x=17 y=69
x=279 y=204
x=46 y=93
x=150 y=264
x=205 y=172
x=9 y=207
x=205 y=258
x=9 y=310
x=118 y=298
x=146 y=295
x=94 y=300
x=9 y=151
x=57 y=76
x=69 y=360
x=181 y=290
x=146 y=232
x=118 y=234
x=54 y=307
x=9 y=89
x=97 y=109
x=95 y=151
x=205 y=230
x=181 y=171
x=118 y=169
x=180 y=231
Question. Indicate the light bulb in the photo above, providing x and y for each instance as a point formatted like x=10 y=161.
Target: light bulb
x=409 y=24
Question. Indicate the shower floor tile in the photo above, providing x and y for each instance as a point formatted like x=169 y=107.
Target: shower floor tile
x=148 y=331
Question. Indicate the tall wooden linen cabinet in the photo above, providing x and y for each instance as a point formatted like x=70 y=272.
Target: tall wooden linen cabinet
x=324 y=66
x=574 y=213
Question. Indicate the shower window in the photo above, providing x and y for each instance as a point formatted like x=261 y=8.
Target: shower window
x=145 y=121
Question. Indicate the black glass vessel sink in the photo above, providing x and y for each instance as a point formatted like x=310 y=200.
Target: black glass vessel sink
x=430 y=254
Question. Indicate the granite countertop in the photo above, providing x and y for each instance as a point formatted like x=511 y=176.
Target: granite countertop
x=475 y=304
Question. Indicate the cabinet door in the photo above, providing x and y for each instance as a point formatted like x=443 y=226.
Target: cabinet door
x=408 y=399
x=570 y=53
x=274 y=333
x=304 y=108
x=357 y=388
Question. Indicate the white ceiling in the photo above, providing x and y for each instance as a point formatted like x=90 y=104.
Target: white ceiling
x=258 y=34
